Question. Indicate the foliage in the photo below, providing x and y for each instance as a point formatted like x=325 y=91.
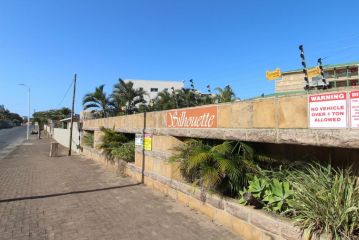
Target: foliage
x=111 y=140
x=125 y=152
x=225 y=95
x=326 y=200
x=274 y=195
x=43 y=117
x=125 y=96
x=223 y=167
x=98 y=100
x=88 y=139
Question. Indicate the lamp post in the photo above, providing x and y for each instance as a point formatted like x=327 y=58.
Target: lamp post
x=28 y=115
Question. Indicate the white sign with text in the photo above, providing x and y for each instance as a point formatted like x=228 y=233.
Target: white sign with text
x=354 y=109
x=328 y=110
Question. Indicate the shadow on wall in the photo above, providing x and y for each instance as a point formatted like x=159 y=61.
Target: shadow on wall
x=339 y=157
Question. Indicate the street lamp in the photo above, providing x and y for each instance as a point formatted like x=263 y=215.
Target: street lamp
x=28 y=115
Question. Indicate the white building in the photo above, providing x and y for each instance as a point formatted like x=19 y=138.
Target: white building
x=153 y=87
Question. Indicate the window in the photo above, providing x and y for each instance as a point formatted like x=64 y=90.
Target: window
x=154 y=89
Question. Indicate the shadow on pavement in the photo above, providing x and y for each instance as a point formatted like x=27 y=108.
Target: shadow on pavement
x=66 y=193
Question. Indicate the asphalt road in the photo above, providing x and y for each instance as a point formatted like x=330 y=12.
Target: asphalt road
x=10 y=138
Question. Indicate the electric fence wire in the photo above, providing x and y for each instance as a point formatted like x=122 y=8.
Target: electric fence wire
x=67 y=91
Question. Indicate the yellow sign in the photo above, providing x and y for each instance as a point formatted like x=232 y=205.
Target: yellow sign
x=147 y=143
x=272 y=75
x=312 y=72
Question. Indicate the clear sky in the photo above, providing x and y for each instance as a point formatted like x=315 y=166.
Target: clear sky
x=44 y=42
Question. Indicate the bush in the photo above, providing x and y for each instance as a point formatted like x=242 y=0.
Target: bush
x=271 y=194
x=326 y=200
x=111 y=140
x=125 y=152
x=88 y=140
x=223 y=168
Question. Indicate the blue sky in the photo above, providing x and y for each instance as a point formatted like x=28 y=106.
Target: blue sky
x=43 y=43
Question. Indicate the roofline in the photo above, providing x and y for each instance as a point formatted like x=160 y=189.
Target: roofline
x=329 y=66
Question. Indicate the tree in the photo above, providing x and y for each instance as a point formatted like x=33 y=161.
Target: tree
x=164 y=101
x=98 y=100
x=187 y=97
x=226 y=94
x=124 y=95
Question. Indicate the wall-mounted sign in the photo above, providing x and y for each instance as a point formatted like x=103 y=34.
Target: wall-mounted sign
x=204 y=117
x=354 y=109
x=312 y=72
x=147 y=143
x=328 y=110
x=139 y=139
x=272 y=75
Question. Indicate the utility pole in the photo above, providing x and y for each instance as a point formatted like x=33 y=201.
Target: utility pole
x=72 y=115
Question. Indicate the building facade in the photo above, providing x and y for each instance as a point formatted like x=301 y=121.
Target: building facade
x=153 y=87
x=338 y=76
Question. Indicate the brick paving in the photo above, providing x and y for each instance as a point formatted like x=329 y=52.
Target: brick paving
x=76 y=198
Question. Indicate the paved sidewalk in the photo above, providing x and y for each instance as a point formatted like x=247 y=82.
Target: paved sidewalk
x=75 y=198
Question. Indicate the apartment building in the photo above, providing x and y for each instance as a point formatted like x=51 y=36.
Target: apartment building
x=337 y=75
x=153 y=87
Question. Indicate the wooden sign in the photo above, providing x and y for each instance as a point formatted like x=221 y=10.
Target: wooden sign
x=272 y=75
x=204 y=117
x=312 y=72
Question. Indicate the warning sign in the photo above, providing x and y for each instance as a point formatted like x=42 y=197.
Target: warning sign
x=328 y=110
x=147 y=145
x=354 y=109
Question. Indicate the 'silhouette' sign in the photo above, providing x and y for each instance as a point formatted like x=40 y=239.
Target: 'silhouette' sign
x=204 y=117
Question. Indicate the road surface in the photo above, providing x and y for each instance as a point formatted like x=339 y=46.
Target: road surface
x=10 y=138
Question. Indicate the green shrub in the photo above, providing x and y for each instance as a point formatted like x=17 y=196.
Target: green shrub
x=88 y=139
x=326 y=200
x=223 y=168
x=272 y=194
x=125 y=152
x=111 y=140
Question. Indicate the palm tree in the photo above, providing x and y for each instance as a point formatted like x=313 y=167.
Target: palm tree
x=222 y=167
x=226 y=94
x=164 y=101
x=125 y=94
x=98 y=100
x=187 y=97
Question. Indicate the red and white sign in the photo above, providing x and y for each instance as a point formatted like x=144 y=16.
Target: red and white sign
x=204 y=117
x=354 y=109
x=328 y=110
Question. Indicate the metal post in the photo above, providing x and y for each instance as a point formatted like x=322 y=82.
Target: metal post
x=28 y=117
x=28 y=112
x=72 y=115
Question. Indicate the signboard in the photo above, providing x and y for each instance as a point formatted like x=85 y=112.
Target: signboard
x=328 y=110
x=272 y=75
x=312 y=72
x=138 y=139
x=354 y=109
x=147 y=143
x=204 y=117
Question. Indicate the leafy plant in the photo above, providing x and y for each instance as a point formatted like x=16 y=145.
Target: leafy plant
x=272 y=194
x=111 y=140
x=125 y=152
x=223 y=167
x=326 y=200
x=88 y=139
x=278 y=197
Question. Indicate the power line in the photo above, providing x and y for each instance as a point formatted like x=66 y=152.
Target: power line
x=67 y=91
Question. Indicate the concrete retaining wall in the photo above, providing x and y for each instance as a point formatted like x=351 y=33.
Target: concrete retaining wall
x=62 y=136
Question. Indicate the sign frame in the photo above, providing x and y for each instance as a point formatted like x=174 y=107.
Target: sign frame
x=346 y=111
